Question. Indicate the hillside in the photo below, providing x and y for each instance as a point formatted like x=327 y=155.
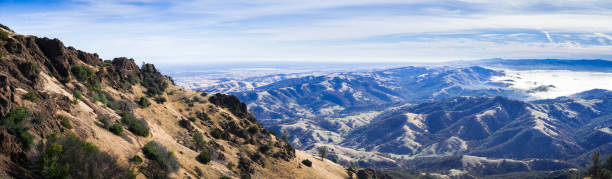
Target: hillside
x=477 y=133
x=69 y=113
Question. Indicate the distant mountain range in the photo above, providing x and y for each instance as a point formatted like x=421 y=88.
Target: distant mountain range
x=440 y=118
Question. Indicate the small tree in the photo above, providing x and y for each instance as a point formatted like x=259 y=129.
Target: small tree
x=198 y=139
x=595 y=169
x=323 y=152
x=204 y=157
x=285 y=136
x=144 y=102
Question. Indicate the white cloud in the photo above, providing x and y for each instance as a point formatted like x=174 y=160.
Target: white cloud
x=323 y=30
x=548 y=37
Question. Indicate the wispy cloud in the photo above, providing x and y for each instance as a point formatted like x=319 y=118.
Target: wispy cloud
x=342 y=30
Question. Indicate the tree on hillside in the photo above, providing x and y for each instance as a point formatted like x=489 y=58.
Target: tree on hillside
x=597 y=170
x=323 y=152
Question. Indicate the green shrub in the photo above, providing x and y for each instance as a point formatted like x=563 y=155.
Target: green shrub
x=132 y=79
x=160 y=100
x=31 y=96
x=77 y=94
x=70 y=157
x=82 y=73
x=144 y=102
x=137 y=126
x=95 y=86
x=204 y=157
x=14 y=123
x=116 y=129
x=136 y=159
x=225 y=177
x=198 y=139
x=253 y=129
x=4 y=35
x=230 y=165
x=216 y=133
x=65 y=121
x=105 y=120
x=307 y=163
x=264 y=149
x=192 y=119
x=161 y=156
x=203 y=94
x=64 y=80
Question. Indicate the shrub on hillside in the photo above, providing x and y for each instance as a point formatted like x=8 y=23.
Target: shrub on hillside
x=154 y=81
x=204 y=157
x=14 y=123
x=307 y=163
x=70 y=157
x=31 y=97
x=4 y=35
x=116 y=129
x=136 y=159
x=77 y=94
x=160 y=100
x=161 y=156
x=64 y=121
x=144 y=102
x=253 y=129
x=198 y=139
x=216 y=133
x=136 y=126
x=82 y=73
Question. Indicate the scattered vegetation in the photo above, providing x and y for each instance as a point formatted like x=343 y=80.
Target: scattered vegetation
x=116 y=129
x=144 y=102
x=14 y=123
x=216 y=133
x=69 y=157
x=322 y=152
x=82 y=73
x=307 y=162
x=599 y=170
x=161 y=156
x=225 y=177
x=253 y=129
x=198 y=139
x=31 y=96
x=136 y=126
x=64 y=121
x=136 y=159
x=154 y=81
x=160 y=100
x=204 y=157
x=231 y=102
x=4 y=35
x=77 y=94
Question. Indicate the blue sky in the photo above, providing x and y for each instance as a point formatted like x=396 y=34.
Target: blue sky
x=185 y=31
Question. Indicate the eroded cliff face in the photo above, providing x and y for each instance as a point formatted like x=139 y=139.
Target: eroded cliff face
x=59 y=91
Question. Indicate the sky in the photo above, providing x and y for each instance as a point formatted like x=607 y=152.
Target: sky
x=187 y=32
